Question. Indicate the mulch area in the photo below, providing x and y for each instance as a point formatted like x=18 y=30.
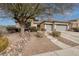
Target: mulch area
x=68 y=42
x=39 y=45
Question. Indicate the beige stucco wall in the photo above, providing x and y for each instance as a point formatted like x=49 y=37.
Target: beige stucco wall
x=42 y=26
x=33 y=24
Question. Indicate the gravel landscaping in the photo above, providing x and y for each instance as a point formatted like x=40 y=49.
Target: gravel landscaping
x=29 y=46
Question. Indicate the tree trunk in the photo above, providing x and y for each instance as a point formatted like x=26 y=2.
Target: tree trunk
x=22 y=30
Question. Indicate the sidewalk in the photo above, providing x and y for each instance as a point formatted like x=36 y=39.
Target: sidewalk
x=74 y=51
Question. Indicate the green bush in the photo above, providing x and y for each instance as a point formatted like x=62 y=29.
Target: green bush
x=3 y=43
x=39 y=35
x=56 y=34
x=33 y=29
x=76 y=29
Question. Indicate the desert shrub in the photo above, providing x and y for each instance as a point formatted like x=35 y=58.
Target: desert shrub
x=13 y=29
x=33 y=29
x=39 y=34
x=56 y=34
x=42 y=29
x=3 y=43
x=1 y=34
x=76 y=29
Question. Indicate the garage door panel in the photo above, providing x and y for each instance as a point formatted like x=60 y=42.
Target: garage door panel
x=48 y=28
x=60 y=28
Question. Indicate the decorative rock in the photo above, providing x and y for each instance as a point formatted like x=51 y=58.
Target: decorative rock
x=16 y=48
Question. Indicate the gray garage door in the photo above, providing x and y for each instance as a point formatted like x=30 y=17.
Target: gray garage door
x=48 y=28
x=60 y=28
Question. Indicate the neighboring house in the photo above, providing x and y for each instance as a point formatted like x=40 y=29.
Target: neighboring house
x=74 y=23
x=17 y=25
x=33 y=23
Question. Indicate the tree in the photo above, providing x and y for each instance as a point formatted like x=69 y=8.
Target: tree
x=22 y=12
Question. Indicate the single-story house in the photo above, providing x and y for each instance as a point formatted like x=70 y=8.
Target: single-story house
x=53 y=25
x=56 y=25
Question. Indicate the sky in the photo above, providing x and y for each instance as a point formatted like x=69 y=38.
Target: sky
x=7 y=21
x=68 y=16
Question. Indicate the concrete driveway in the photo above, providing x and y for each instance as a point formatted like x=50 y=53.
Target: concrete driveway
x=67 y=49
x=73 y=36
